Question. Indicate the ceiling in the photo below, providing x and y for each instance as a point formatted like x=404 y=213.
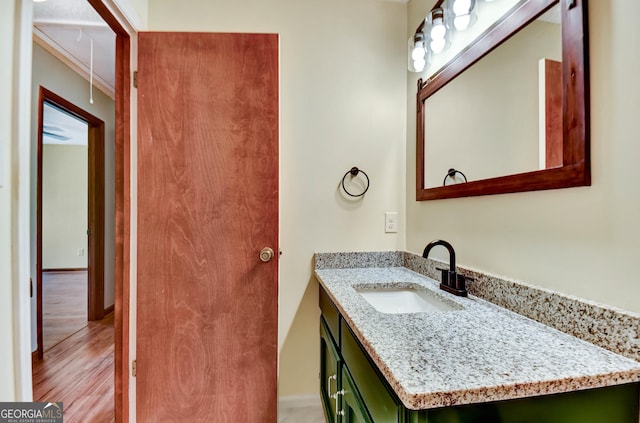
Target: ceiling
x=65 y=28
x=61 y=128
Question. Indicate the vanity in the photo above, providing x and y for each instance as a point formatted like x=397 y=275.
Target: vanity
x=460 y=359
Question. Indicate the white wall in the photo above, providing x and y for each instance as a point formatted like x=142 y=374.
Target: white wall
x=52 y=74
x=65 y=200
x=581 y=241
x=342 y=104
x=15 y=51
x=7 y=178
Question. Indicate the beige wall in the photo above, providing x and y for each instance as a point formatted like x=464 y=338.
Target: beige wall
x=342 y=104
x=580 y=241
x=64 y=206
x=7 y=203
x=485 y=122
x=52 y=74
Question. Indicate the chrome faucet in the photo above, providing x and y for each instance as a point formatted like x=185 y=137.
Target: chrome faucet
x=451 y=281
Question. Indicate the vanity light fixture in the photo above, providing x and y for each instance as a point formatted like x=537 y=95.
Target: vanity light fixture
x=437 y=30
x=463 y=14
x=418 y=53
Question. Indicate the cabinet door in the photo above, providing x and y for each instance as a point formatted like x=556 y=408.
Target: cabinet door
x=330 y=378
x=353 y=409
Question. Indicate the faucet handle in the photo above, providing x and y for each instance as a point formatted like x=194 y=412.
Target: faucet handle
x=445 y=275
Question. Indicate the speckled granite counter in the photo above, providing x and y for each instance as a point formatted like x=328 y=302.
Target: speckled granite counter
x=478 y=354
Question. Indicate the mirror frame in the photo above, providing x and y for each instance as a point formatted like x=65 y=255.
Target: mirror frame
x=576 y=168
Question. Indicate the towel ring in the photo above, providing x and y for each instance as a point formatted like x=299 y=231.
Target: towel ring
x=354 y=171
x=451 y=173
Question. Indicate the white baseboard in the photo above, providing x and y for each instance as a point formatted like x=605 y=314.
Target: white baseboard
x=299 y=401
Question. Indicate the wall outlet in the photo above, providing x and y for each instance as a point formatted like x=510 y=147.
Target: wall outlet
x=81 y=251
x=391 y=222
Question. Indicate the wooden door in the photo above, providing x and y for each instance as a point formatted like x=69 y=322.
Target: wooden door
x=207 y=205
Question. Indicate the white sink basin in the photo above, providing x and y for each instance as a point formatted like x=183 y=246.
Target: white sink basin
x=405 y=300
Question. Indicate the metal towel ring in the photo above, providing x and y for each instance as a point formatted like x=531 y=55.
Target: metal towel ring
x=354 y=171
x=451 y=173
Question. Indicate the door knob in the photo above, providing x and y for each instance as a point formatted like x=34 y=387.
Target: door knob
x=266 y=254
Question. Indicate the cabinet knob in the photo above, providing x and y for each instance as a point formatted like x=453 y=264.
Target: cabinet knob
x=266 y=254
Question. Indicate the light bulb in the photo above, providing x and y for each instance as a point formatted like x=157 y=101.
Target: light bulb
x=418 y=51
x=462 y=22
x=419 y=65
x=438 y=30
x=461 y=7
x=437 y=45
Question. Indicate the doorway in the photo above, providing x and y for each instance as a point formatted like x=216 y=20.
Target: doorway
x=63 y=115
x=123 y=29
x=64 y=212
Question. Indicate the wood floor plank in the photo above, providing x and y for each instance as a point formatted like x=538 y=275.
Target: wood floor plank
x=79 y=372
x=64 y=309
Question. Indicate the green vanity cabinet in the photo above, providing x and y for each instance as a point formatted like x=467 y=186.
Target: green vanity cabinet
x=353 y=409
x=613 y=404
x=617 y=404
x=330 y=375
x=351 y=389
x=354 y=391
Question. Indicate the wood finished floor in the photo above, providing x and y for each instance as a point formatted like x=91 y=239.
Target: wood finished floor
x=64 y=306
x=79 y=372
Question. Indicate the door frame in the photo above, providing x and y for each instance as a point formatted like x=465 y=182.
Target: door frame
x=107 y=9
x=95 y=262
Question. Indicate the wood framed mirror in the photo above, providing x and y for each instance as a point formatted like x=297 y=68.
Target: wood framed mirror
x=446 y=113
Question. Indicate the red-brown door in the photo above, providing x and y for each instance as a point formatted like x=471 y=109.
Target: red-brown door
x=207 y=205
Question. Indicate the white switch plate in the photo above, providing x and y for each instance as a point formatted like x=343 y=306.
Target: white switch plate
x=81 y=251
x=391 y=222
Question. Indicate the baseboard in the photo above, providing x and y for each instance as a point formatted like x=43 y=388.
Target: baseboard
x=34 y=358
x=299 y=401
x=109 y=309
x=70 y=269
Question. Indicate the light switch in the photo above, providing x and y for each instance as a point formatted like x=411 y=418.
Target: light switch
x=391 y=222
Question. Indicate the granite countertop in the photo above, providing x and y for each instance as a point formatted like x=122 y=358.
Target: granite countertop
x=480 y=353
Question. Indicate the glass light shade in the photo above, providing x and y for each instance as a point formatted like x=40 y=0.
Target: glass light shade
x=438 y=29
x=461 y=7
x=417 y=53
x=419 y=65
x=438 y=45
x=462 y=22
x=462 y=14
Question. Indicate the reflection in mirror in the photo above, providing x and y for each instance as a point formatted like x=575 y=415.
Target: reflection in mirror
x=509 y=126
x=486 y=13
x=503 y=115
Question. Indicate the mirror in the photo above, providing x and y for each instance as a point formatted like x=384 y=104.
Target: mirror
x=509 y=113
